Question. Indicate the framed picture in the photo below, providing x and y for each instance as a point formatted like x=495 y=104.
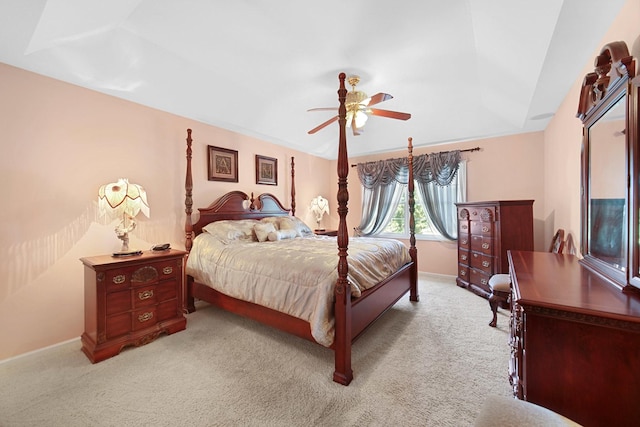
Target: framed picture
x=266 y=170
x=223 y=164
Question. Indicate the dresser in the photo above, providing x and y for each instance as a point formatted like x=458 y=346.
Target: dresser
x=575 y=340
x=129 y=301
x=486 y=230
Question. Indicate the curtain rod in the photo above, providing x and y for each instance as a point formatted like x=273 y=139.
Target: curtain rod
x=462 y=151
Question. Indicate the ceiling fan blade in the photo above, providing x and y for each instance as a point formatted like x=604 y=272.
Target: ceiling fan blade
x=323 y=125
x=391 y=114
x=378 y=98
x=324 y=109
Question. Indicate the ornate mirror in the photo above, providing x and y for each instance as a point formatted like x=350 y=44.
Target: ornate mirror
x=607 y=111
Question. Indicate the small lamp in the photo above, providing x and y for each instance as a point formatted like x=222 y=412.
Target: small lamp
x=319 y=207
x=122 y=199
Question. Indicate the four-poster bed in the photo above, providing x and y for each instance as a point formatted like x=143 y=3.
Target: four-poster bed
x=350 y=315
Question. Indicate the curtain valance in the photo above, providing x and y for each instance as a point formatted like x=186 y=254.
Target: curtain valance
x=439 y=168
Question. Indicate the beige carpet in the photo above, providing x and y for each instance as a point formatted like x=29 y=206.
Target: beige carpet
x=431 y=363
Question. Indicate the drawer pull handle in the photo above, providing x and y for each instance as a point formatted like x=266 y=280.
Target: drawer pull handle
x=465 y=241
x=463 y=257
x=464 y=227
x=475 y=255
x=485 y=246
x=485 y=263
x=483 y=281
x=485 y=229
x=119 y=279
x=145 y=295
x=463 y=273
x=167 y=270
x=145 y=317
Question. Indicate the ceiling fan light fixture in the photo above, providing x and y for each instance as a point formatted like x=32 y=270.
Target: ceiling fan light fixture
x=356 y=97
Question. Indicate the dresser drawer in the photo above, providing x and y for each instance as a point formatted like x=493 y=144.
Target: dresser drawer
x=463 y=272
x=483 y=213
x=482 y=262
x=482 y=244
x=479 y=228
x=479 y=278
x=463 y=257
x=463 y=241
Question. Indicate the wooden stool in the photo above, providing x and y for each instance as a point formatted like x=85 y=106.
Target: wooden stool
x=500 y=286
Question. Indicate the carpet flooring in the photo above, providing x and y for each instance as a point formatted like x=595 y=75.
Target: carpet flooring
x=431 y=363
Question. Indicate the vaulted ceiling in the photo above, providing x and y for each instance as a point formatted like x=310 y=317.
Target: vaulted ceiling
x=464 y=69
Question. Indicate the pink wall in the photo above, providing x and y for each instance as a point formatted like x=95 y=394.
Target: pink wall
x=505 y=168
x=60 y=144
x=563 y=136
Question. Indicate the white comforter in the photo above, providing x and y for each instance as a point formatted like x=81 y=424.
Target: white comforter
x=293 y=276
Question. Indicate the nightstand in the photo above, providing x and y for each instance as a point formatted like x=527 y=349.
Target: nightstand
x=131 y=300
x=326 y=232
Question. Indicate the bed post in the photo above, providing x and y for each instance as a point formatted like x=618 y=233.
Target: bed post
x=188 y=200
x=293 y=186
x=342 y=344
x=188 y=301
x=413 y=252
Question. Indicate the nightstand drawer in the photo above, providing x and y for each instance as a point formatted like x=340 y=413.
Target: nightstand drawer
x=144 y=318
x=117 y=325
x=118 y=302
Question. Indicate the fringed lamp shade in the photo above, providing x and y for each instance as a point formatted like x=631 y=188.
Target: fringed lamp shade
x=125 y=200
x=319 y=207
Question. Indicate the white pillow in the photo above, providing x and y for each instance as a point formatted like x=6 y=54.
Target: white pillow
x=293 y=223
x=263 y=229
x=282 y=235
x=228 y=231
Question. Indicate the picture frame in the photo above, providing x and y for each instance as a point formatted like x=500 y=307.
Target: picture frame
x=222 y=164
x=266 y=170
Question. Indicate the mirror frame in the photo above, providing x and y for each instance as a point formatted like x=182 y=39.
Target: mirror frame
x=612 y=80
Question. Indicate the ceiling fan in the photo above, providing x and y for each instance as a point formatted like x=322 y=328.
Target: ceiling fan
x=358 y=105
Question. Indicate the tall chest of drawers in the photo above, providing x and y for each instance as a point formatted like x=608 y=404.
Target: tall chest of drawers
x=130 y=301
x=486 y=231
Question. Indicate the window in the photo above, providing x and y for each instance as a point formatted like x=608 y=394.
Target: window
x=398 y=226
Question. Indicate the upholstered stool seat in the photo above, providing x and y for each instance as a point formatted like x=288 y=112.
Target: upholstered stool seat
x=498 y=411
x=500 y=287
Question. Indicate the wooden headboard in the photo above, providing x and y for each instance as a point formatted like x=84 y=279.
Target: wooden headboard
x=238 y=205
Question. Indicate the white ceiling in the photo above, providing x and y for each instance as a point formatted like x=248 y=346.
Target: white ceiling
x=464 y=69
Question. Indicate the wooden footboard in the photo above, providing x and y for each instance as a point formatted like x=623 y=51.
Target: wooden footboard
x=377 y=300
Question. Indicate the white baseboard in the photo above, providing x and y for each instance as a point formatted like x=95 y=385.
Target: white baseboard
x=39 y=350
x=443 y=276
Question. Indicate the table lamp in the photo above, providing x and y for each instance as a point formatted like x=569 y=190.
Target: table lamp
x=319 y=207
x=123 y=200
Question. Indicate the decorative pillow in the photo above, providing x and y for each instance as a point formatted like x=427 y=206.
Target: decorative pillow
x=282 y=235
x=263 y=229
x=293 y=223
x=228 y=231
